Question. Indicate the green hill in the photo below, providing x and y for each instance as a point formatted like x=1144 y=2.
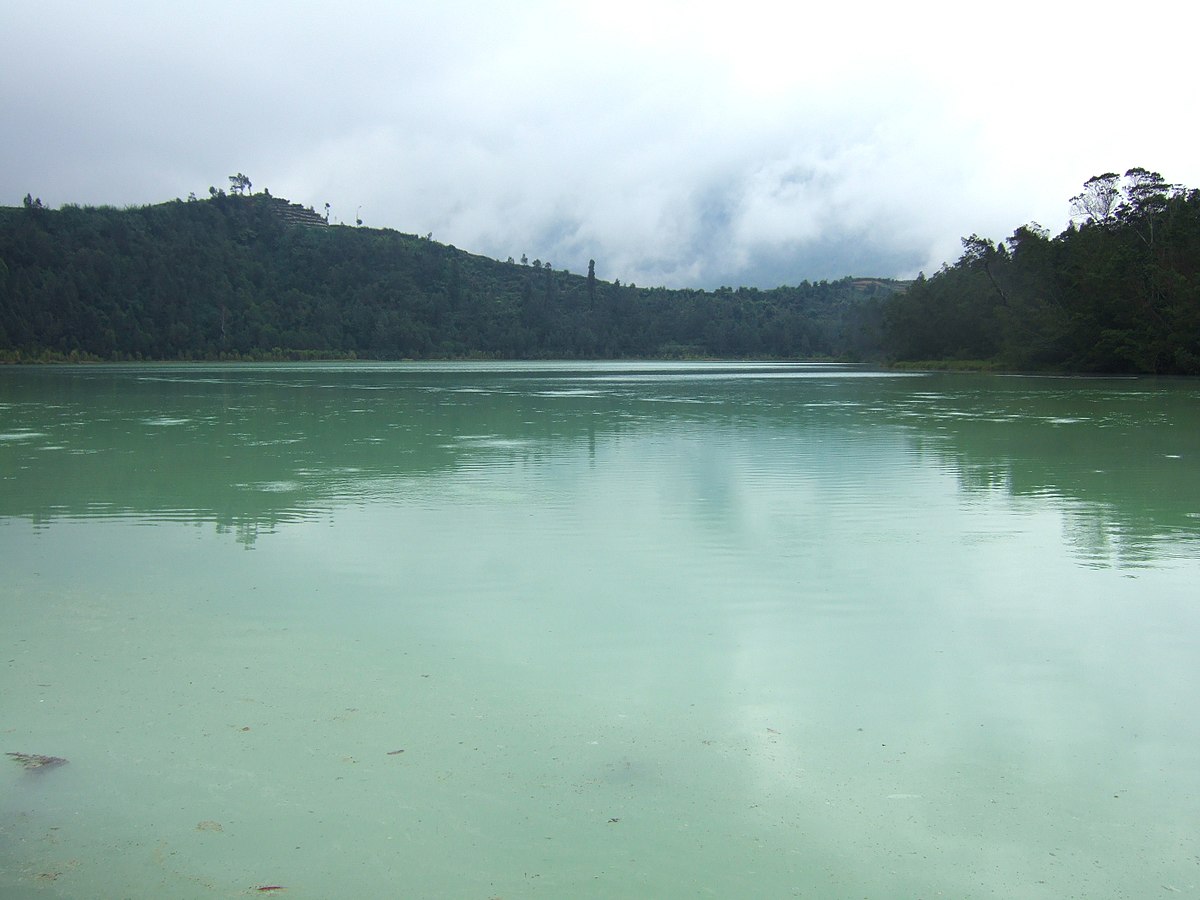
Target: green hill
x=255 y=277
x=243 y=276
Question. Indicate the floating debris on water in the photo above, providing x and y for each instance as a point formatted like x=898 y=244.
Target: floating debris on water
x=35 y=762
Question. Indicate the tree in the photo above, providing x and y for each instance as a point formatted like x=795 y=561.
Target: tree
x=983 y=253
x=1099 y=199
x=1146 y=190
x=239 y=184
x=1147 y=195
x=591 y=282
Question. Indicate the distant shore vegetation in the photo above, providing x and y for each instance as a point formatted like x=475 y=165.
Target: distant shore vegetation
x=250 y=277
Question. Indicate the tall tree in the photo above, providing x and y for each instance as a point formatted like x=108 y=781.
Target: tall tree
x=1099 y=199
x=1147 y=199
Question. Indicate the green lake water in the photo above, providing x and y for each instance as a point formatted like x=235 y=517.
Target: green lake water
x=597 y=630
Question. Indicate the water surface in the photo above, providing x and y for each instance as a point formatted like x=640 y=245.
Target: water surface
x=598 y=630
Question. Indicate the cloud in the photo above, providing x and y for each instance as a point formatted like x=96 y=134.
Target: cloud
x=686 y=144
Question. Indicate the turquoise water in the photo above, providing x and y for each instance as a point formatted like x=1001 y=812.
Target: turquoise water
x=598 y=630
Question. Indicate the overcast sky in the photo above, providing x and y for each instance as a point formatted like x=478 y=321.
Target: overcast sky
x=676 y=143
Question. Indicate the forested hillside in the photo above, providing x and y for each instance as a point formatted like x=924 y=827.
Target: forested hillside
x=243 y=276
x=1117 y=292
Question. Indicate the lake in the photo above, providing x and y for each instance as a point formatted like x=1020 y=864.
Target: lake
x=597 y=630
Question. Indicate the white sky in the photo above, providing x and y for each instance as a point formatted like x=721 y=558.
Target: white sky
x=676 y=143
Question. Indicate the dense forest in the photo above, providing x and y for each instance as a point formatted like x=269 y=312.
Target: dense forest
x=1118 y=291
x=241 y=276
x=250 y=276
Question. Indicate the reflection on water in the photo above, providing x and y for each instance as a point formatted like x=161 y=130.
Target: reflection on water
x=635 y=629
x=252 y=447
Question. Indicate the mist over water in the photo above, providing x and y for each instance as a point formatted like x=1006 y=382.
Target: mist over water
x=597 y=630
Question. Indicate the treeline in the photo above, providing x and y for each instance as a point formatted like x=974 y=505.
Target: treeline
x=1117 y=292
x=243 y=276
